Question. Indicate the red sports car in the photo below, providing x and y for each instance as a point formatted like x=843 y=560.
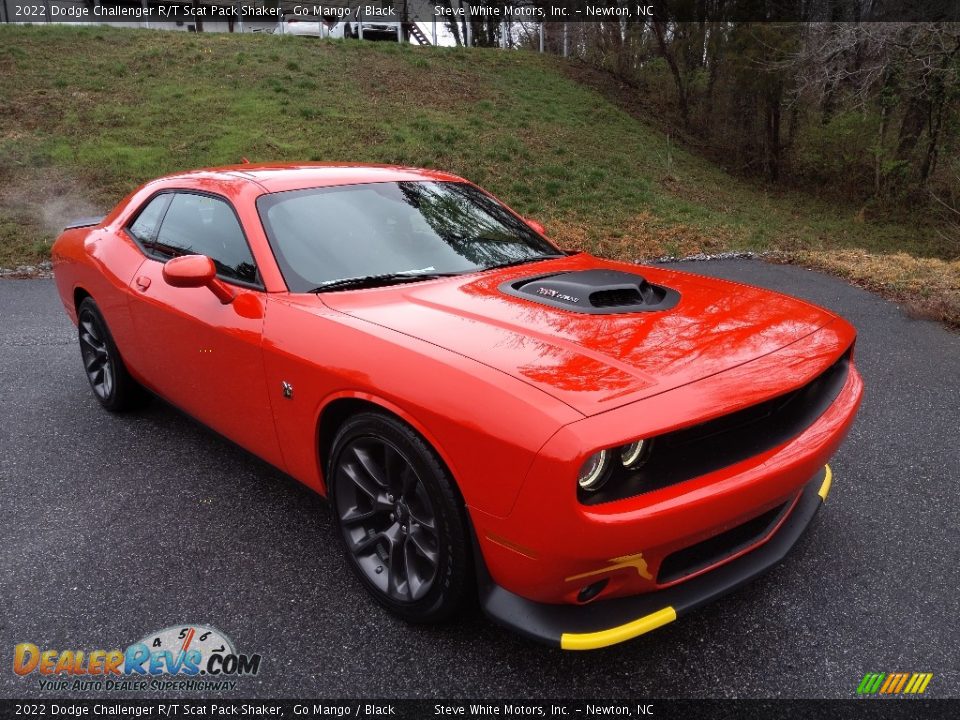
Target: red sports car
x=593 y=446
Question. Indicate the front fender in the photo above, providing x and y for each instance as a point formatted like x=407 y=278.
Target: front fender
x=485 y=425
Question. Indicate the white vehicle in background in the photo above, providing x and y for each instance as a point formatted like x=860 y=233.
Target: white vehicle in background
x=333 y=28
x=375 y=30
x=324 y=28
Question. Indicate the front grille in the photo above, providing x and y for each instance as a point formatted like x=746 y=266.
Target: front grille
x=719 y=547
x=727 y=440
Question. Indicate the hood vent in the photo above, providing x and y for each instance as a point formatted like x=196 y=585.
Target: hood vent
x=596 y=292
x=616 y=298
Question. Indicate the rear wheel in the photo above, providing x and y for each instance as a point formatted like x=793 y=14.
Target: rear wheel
x=401 y=519
x=108 y=376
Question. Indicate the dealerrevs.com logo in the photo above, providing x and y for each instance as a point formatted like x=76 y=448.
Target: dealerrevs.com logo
x=182 y=657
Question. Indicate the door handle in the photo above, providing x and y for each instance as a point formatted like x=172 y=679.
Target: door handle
x=143 y=282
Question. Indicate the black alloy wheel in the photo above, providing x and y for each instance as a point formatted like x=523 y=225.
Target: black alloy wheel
x=401 y=520
x=97 y=362
x=108 y=376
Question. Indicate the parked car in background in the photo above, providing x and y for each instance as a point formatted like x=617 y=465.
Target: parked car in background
x=324 y=28
x=389 y=30
x=375 y=30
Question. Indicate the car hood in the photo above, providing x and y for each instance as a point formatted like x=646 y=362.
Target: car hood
x=593 y=363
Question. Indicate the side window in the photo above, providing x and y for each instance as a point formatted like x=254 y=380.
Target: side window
x=204 y=225
x=144 y=228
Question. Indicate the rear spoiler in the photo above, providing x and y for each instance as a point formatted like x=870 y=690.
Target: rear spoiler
x=84 y=222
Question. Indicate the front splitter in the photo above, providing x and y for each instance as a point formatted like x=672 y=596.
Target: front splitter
x=608 y=622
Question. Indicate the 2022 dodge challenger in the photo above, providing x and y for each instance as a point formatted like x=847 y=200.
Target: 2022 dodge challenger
x=593 y=446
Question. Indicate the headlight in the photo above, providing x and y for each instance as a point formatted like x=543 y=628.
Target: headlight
x=593 y=473
x=619 y=472
x=632 y=454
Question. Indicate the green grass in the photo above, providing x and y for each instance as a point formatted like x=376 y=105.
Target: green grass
x=86 y=114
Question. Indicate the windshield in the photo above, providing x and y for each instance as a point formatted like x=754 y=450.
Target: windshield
x=322 y=235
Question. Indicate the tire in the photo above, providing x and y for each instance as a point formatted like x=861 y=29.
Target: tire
x=108 y=376
x=401 y=519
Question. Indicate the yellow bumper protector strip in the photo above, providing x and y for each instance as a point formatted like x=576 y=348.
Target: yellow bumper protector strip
x=619 y=634
x=827 y=482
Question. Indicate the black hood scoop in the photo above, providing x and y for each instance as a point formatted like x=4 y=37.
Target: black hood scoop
x=594 y=292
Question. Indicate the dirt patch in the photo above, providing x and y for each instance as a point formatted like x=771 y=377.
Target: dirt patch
x=35 y=205
x=642 y=237
x=928 y=287
x=48 y=193
x=406 y=77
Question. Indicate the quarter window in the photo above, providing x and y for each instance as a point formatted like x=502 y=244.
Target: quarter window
x=203 y=225
x=145 y=227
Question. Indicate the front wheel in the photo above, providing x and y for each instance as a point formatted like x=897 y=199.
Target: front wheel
x=400 y=517
x=108 y=376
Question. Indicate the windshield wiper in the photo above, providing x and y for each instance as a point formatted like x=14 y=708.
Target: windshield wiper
x=362 y=281
x=522 y=261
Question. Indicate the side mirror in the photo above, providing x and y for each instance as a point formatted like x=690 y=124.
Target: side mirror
x=535 y=226
x=194 y=271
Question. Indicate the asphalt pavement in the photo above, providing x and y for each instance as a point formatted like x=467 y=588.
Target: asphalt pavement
x=112 y=527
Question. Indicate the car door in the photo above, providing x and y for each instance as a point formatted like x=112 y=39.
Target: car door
x=201 y=354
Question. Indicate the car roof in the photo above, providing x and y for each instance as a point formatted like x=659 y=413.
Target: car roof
x=278 y=177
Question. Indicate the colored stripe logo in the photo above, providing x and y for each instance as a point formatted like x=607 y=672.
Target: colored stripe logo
x=894 y=683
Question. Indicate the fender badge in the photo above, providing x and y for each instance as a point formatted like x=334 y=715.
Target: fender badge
x=287 y=389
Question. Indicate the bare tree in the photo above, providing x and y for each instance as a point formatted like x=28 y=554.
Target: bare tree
x=908 y=72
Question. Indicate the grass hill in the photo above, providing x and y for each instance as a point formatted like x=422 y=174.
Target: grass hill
x=88 y=113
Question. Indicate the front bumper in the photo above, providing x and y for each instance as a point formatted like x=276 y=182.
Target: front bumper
x=604 y=623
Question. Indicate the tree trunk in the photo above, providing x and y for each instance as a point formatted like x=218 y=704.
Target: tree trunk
x=933 y=145
x=773 y=134
x=198 y=20
x=828 y=106
x=878 y=167
x=671 y=59
x=453 y=24
x=938 y=102
x=910 y=129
